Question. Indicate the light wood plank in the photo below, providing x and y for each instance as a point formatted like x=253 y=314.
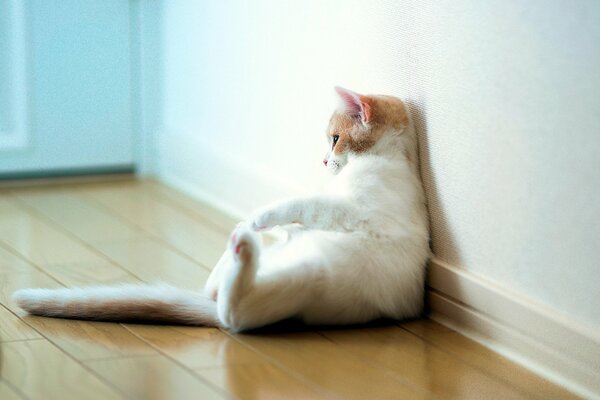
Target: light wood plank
x=37 y=241
x=154 y=377
x=152 y=261
x=5 y=202
x=409 y=358
x=13 y=328
x=60 y=256
x=75 y=214
x=260 y=381
x=10 y=263
x=175 y=227
x=202 y=211
x=325 y=365
x=42 y=371
x=88 y=340
x=8 y=393
x=486 y=360
x=196 y=347
x=89 y=273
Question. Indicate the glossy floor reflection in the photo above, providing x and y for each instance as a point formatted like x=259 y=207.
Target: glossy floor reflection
x=132 y=231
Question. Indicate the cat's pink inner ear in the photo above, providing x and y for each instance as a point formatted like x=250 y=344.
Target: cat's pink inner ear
x=367 y=112
x=350 y=99
x=355 y=104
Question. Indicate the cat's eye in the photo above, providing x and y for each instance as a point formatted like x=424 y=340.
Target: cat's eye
x=335 y=139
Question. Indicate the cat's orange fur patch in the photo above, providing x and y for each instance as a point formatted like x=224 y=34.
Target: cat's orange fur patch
x=384 y=112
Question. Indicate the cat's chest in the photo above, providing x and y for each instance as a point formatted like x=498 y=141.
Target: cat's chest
x=356 y=184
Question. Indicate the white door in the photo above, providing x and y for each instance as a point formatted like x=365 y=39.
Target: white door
x=65 y=87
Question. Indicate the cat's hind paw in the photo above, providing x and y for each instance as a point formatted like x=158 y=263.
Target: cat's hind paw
x=244 y=244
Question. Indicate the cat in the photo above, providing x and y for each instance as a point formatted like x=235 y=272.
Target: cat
x=353 y=254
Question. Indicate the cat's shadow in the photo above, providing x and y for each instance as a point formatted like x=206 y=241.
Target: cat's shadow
x=297 y=326
x=441 y=235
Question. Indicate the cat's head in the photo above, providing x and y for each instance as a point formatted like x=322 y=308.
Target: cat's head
x=360 y=124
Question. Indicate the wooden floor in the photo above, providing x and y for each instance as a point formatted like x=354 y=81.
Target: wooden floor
x=142 y=231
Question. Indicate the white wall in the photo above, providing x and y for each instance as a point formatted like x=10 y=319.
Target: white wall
x=510 y=97
x=505 y=93
x=249 y=89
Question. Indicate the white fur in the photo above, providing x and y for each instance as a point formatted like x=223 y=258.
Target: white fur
x=161 y=303
x=353 y=254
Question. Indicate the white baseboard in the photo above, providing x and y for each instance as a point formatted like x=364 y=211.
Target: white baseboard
x=552 y=345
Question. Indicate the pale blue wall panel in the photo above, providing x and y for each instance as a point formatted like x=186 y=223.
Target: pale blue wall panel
x=79 y=86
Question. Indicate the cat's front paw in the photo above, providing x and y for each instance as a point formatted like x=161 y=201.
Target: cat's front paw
x=263 y=220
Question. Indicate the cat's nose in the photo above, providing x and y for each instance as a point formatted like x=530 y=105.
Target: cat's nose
x=325 y=162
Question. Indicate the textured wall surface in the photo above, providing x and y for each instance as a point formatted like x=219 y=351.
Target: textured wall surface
x=505 y=94
x=508 y=96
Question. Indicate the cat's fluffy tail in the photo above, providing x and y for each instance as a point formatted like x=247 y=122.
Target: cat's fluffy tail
x=156 y=303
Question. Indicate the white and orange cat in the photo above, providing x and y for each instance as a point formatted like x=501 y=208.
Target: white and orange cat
x=353 y=254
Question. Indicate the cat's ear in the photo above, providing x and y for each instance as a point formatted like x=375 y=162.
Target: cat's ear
x=356 y=104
